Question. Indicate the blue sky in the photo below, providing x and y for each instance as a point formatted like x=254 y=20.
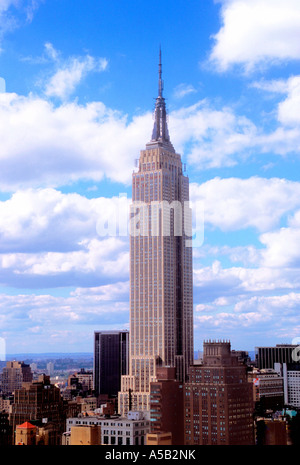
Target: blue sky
x=78 y=85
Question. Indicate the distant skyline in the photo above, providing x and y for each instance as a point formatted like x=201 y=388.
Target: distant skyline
x=78 y=82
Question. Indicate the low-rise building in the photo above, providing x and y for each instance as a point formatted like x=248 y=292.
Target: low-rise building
x=115 y=430
x=88 y=435
x=268 y=390
x=159 y=439
x=271 y=432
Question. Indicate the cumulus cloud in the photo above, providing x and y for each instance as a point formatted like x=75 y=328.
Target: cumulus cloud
x=282 y=247
x=63 y=83
x=47 y=234
x=44 y=145
x=287 y=109
x=211 y=137
x=60 y=320
x=249 y=286
x=260 y=203
x=257 y=32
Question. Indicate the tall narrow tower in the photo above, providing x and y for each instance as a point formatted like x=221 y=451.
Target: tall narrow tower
x=161 y=282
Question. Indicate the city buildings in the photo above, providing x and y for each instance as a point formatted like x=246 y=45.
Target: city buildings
x=164 y=398
x=290 y=373
x=40 y=402
x=81 y=382
x=218 y=400
x=111 y=361
x=161 y=283
x=283 y=358
x=268 y=389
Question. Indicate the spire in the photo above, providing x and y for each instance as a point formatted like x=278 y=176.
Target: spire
x=160 y=82
x=160 y=133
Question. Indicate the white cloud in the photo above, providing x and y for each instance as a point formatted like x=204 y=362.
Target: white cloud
x=61 y=320
x=211 y=137
x=257 y=32
x=51 y=51
x=63 y=83
x=214 y=282
x=282 y=248
x=288 y=110
x=260 y=202
x=184 y=89
x=47 y=234
x=44 y=145
x=15 y=12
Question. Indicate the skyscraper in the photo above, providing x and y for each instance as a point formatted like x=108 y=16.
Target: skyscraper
x=110 y=361
x=161 y=291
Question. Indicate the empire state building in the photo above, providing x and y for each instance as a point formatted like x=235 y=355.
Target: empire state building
x=161 y=282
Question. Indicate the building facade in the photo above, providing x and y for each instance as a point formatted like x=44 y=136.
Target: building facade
x=13 y=375
x=218 y=400
x=266 y=357
x=268 y=389
x=119 y=431
x=81 y=382
x=290 y=373
x=161 y=287
x=111 y=361
x=39 y=401
x=166 y=406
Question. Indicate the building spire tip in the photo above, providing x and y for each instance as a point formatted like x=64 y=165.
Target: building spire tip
x=160 y=82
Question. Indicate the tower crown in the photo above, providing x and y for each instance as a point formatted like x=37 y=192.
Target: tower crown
x=160 y=133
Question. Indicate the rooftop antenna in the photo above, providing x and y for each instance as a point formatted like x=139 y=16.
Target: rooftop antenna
x=160 y=81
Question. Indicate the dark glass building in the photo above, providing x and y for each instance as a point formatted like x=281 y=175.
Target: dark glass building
x=266 y=357
x=110 y=361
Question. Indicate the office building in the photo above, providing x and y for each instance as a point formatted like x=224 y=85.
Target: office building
x=266 y=357
x=38 y=401
x=111 y=359
x=271 y=432
x=166 y=406
x=81 y=382
x=115 y=430
x=268 y=389
x=161 y=288
x=13 y=375
x=290 y=373
x=218 y=401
